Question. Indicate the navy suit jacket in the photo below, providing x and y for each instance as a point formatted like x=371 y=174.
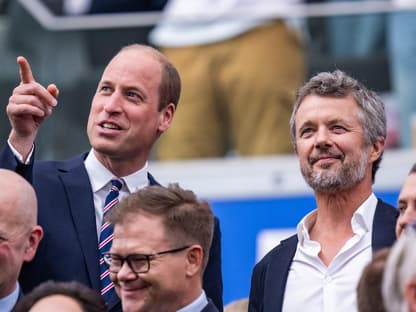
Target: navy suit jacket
x=268 y=281
x=210 y=307
x=69 y=249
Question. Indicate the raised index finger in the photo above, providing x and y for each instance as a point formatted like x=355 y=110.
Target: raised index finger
x=24 y=70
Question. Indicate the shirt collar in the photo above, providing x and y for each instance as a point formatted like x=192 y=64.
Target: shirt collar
x=197 y=305
x=361 y=222
x=7 y=303
x=100 y=176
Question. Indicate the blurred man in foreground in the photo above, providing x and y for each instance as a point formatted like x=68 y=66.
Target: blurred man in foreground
x=19 y=233
x=160 y=250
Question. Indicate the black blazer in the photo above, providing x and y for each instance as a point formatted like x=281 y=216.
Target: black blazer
x=268 y=281
x=69 y=249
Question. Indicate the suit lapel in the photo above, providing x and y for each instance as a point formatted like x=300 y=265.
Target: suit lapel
x=278 y=271
x=384 y=224
x=76 y=182
x=79 y=194
x=210 y=307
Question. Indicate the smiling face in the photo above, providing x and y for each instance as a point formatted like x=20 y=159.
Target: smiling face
x=330 y=144
x=124 y=120
x=407 y=204
x=165 y=286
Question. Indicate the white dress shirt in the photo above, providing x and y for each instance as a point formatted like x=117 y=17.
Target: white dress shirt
x=100 y=179
x=313 y=286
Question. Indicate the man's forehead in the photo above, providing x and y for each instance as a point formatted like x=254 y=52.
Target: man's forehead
x=136 y=54
x=139 y=223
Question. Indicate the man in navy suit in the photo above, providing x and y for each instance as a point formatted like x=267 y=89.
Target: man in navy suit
x=134 y=104
x=338 y=130
x=19 y=233
x=162 y=236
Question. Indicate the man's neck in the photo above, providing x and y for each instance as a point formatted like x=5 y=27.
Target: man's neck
x=337 y=208
x=195 y=303
x=332 y=227
x=120 y=167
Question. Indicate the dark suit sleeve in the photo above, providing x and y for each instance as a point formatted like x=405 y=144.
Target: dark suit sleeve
x=212 y=282
x=9 y=161
x=256 y=289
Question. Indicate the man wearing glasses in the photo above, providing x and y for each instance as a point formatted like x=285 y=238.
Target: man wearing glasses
x=160 y=249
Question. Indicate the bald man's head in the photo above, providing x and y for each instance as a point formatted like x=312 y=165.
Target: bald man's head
x=18 y=202
x=19 y=233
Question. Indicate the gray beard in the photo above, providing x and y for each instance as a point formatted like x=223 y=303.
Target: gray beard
x=331 y=181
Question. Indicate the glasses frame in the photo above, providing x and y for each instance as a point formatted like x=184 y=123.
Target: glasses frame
x=108 y=257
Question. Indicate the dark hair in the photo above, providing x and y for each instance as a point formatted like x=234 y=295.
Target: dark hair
x=369 y=297
x=170 y=83
x=186 y=218
x=88 y=299
x=372 y=116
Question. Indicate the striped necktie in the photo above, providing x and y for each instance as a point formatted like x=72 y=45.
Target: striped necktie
x=106 y=238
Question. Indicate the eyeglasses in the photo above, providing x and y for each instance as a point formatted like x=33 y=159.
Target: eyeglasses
x=138 y=263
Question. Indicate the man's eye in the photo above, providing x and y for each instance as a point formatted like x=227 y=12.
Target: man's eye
x=138 y=259
x=134 y=95
x=338 y=128
x=115 y=261
x=104 y=89
x=401 y=209
x=305 y=132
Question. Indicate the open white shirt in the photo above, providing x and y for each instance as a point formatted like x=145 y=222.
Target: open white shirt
x=100 y=179
x=313 y=286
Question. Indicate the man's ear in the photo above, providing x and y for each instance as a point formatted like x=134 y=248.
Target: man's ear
x=166 y=117
x=32 y=242
x=194 y=260
x=378 y=148
x=410 y=294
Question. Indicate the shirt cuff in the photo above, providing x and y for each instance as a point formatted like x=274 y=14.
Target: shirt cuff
x=19 y=156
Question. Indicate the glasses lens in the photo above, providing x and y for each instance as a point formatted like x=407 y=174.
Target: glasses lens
x=114 y=263
x=139 y=264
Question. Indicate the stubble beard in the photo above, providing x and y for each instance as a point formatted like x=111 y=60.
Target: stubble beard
x=327 y=179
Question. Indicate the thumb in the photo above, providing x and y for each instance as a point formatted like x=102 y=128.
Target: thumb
x=53 y=90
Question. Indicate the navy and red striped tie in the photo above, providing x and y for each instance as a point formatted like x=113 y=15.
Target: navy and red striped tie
x=106 y=238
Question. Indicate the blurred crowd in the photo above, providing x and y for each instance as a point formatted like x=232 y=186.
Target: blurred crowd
x=239 y=71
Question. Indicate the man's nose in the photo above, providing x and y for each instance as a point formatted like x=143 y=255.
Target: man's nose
x=125 y=272
x=113 y=103
x=322 y=138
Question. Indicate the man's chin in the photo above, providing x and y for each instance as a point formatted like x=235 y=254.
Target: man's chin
x=133 y=302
